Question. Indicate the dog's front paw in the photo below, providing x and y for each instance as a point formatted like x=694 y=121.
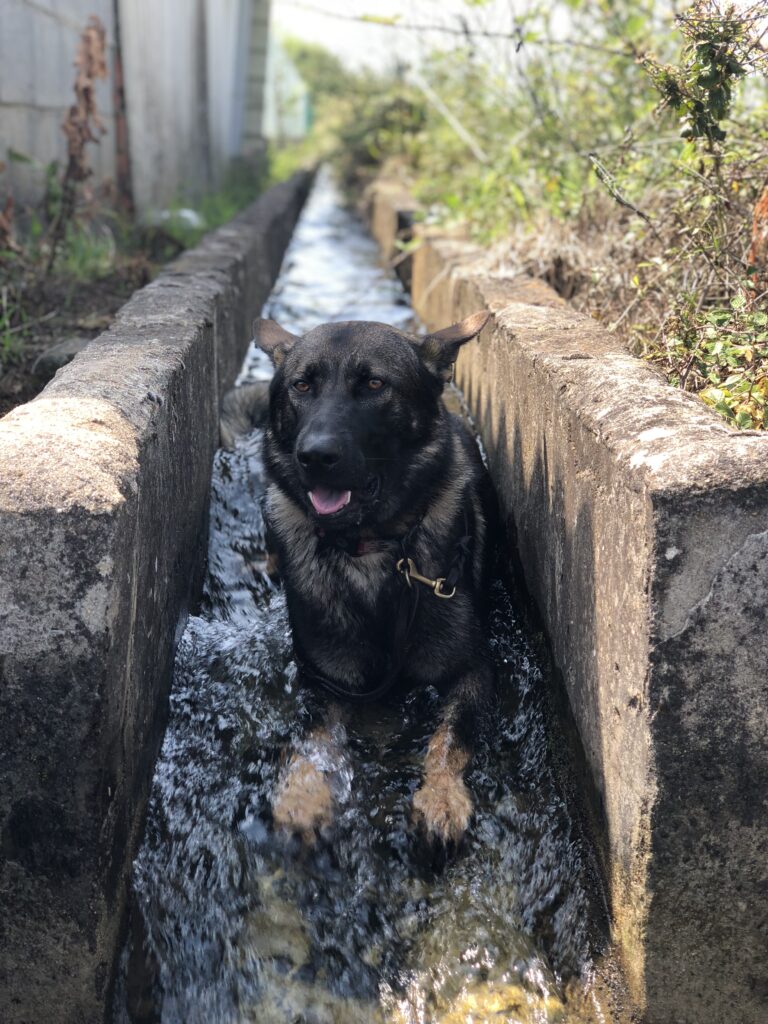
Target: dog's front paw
x=303 y=802
x=443 y=806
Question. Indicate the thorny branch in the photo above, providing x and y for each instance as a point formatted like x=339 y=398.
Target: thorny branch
x=610 y=183
x=628 y=51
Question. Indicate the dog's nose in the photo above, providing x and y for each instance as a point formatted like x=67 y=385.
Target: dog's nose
x=320 y=451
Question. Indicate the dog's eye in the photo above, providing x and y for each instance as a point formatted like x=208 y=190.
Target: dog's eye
x=301 y=386
x=375 y=384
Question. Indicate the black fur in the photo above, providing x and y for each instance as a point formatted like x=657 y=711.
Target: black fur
x=356 y=407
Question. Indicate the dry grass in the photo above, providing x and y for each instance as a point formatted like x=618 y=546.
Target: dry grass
x=678 y=291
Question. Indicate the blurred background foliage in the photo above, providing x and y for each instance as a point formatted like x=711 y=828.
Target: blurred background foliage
x=617 y=149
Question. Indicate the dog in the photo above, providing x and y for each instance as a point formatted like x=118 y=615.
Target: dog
x=380 y=512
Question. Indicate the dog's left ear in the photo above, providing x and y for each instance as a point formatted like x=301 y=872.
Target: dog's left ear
x=439 y=350
x=273 y=339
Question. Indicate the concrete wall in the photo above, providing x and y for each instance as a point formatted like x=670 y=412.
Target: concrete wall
x=166 y=96
x=38 y=44
x=258 y=45
x=193 y=81
x=641 y=522
x=227 y=23
x=104 y=489
x=194 y=73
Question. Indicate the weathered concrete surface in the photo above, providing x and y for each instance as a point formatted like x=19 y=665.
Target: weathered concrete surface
x=642 y=527
x=194 y=77
x=52 y=359
x=104 y=485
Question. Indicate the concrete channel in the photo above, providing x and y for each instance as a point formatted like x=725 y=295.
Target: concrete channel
x=641 y=523
x=104 y=491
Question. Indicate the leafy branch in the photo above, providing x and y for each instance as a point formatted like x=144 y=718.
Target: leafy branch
x=723 y=45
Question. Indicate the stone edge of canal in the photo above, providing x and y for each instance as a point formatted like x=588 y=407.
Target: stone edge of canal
x=642 y=529
x=104 y=492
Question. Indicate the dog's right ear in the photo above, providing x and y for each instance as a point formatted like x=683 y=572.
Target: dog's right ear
x=273 y=339
x=439 y=351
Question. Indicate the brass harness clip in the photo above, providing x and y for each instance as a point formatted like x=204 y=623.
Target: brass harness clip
x=408 y=569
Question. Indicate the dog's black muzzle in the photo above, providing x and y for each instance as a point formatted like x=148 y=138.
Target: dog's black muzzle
x=332 y=467
x=329 y=457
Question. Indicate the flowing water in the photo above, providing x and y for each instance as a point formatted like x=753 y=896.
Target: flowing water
x=233 y=922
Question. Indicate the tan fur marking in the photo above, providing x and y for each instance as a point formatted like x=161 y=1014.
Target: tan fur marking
x=442 y=802
x=303 y=801
x=272 y=567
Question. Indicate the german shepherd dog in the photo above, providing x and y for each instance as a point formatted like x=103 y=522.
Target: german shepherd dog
x=378 y=509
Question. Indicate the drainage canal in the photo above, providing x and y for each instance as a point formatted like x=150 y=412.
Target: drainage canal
x=232 y=922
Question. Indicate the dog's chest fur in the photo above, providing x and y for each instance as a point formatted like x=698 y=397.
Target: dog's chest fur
x=347 y=610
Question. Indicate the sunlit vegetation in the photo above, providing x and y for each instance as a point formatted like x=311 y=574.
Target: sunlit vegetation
x=618 y=150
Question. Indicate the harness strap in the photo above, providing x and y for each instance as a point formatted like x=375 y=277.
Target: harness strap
x=463 y=547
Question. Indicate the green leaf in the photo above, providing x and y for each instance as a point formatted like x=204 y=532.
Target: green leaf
x=636 y=26
x=719 y=316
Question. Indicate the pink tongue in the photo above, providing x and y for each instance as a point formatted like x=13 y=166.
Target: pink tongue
x=326 y=501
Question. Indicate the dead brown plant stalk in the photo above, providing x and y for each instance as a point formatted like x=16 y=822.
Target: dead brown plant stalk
x=7 y=232
x=81 y=126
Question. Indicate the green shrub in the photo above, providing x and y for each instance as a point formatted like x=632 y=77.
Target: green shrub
x=608 y=146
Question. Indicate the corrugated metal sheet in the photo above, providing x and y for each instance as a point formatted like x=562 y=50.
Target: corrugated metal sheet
x=193 y=90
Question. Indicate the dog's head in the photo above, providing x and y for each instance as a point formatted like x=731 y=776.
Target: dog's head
x=353 y=409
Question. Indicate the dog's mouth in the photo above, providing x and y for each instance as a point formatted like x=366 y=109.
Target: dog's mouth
x=329 y=501
x=326 y=501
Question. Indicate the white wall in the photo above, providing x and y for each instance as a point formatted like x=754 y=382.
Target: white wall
x=193 y=73
x=189 y=73
x=256 y=64
x=38 y=45
x=227 y=24
x=164 y=68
